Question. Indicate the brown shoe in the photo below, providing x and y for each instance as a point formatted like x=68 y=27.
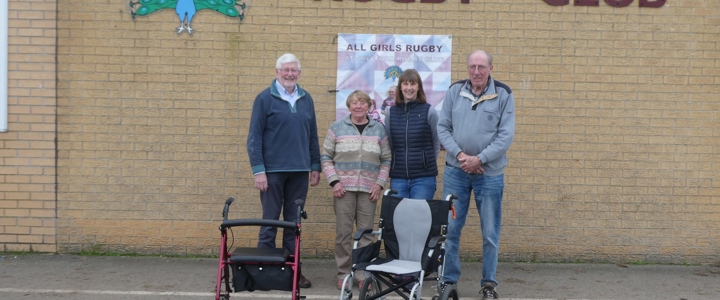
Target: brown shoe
x=304 y=282
x=360 y=284
x=339 y=285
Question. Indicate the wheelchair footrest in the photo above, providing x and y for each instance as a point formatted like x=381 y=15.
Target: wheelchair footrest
x=259 y=255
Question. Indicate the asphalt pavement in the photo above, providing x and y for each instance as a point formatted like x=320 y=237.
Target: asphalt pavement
x=45 y=276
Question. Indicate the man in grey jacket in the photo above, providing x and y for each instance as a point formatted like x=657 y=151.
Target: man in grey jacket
x=476 y=127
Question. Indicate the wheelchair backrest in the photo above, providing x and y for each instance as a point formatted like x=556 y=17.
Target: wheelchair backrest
x=408 y=225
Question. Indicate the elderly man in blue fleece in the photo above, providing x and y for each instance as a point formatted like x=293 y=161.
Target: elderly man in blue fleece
x=283 y=147
x=476 y=126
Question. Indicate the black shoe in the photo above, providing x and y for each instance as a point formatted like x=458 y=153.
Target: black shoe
x=304 y=282
x=488 y=291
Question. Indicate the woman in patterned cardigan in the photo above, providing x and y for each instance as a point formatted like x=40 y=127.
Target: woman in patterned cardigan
x=355 y=158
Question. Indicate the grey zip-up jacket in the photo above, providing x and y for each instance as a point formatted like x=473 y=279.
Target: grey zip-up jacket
x=483 y=126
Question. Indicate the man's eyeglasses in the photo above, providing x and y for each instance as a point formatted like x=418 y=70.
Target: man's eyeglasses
x=290 y=71
x=478 y=67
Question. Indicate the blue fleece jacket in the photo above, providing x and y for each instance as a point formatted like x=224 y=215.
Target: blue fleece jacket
x=283 y=138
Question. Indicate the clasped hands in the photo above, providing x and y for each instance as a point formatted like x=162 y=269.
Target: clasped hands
x=470 y=164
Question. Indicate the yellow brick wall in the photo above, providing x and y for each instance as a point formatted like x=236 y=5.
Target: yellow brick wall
x=616 y=155
x=27 y=149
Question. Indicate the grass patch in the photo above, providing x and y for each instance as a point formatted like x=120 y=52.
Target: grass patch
x=15 y=253
x=93 y=250
x=5 y=251
x=135 y=254
x=639 y=263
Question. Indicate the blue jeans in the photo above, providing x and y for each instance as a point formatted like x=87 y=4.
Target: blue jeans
x=488 y=192
x=416 y=188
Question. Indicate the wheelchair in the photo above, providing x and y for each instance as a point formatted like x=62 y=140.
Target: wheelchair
x=262 y=269
x=413 y=232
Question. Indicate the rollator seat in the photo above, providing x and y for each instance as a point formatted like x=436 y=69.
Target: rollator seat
x=259 y=255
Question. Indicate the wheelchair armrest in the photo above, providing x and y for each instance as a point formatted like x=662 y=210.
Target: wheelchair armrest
x=434 y=241
x=258 y=222
x=358 y=235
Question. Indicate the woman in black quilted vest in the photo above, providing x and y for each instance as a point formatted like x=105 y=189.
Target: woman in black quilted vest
x=411 y=126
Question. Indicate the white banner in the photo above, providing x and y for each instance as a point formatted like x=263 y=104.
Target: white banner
x=373 y=62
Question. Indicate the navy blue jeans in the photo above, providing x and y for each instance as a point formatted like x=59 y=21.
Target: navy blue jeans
x=488 y=192
x=416 y=188
x=283 y=189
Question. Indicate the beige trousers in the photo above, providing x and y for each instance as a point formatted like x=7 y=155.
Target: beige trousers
x=354 y=209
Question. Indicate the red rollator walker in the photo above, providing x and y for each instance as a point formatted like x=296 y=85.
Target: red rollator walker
x=258 y=269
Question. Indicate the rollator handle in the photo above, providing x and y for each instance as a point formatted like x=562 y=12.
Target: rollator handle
x=301 y=211
x=227 y=207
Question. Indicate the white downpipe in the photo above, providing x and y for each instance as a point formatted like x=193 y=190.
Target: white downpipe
x=4 y=65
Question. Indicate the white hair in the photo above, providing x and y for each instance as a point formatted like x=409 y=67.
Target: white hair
x=285 y=59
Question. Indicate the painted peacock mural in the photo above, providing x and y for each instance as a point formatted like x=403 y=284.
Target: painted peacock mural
x=186 y=9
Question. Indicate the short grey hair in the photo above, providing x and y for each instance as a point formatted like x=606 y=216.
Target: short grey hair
x=359 y=96
x=286 y=59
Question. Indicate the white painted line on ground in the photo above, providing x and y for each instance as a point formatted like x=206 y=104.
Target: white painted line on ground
x=100 y=292
x=151 y=293
x=191 y=294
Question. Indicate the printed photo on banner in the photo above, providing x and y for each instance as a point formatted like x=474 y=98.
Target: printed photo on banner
x=373 y=62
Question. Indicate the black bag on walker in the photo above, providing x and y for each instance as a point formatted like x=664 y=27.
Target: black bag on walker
x=262 y=277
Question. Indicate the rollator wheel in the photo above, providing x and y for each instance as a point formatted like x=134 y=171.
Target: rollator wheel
x=450 y=292
x=370 y=288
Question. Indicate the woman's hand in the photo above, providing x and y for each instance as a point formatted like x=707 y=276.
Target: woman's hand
x=375 y=193
x=338 y=190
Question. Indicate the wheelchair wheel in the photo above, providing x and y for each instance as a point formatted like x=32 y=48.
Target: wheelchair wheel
x=450 y=292
x=370 y=288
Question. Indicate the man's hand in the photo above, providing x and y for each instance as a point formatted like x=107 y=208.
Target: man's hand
x=470 y=164
x=338 y=190
x=375 y=192
x=314 y=178
x=261 y=182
